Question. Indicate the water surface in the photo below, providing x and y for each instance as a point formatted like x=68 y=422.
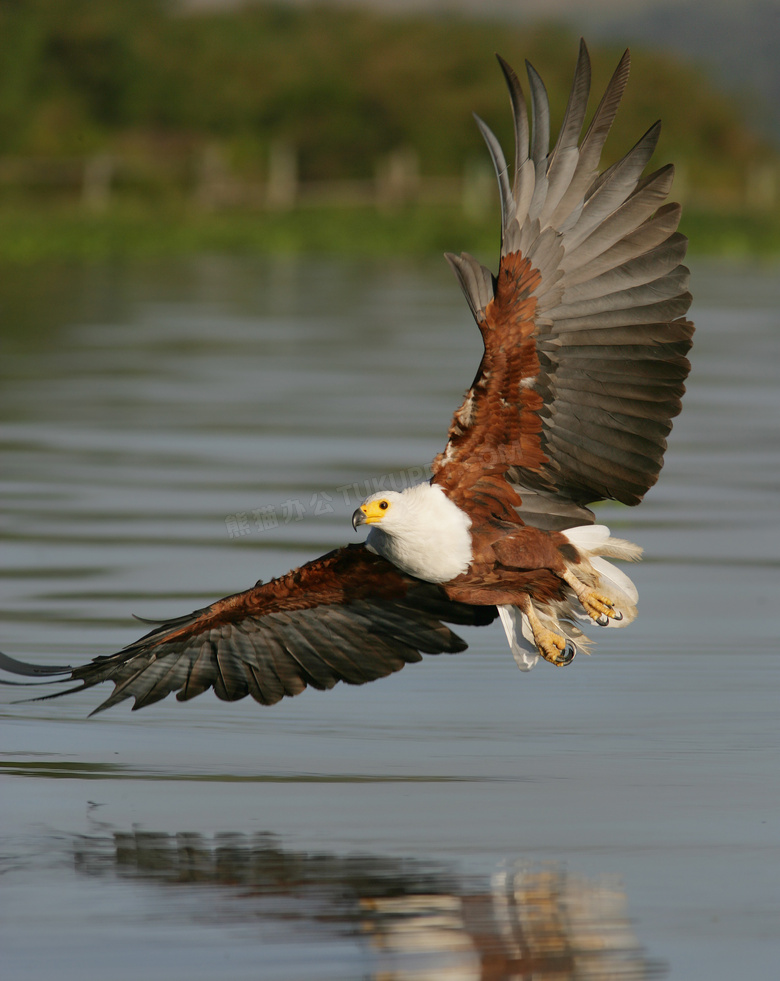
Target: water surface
x=172 y=433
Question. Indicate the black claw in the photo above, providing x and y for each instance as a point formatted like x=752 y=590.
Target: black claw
x=618 y=615
x=568 y=653
x=603 y=620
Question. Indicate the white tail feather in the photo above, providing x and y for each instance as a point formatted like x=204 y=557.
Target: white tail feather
x=618 y=579
x=520 y=636
x=597 y=540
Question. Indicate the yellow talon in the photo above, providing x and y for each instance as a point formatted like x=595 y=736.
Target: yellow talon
x=596 y=605
x=553 y=648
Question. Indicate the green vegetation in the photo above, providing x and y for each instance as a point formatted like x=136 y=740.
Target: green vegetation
x=162 y=95
x=28 y=235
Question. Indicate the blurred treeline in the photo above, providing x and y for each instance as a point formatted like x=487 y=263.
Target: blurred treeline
x=341 y=89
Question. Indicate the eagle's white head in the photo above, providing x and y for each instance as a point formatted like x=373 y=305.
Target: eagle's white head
x=419 y=530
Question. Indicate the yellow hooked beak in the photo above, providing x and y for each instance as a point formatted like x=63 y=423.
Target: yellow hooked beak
x=370 y=513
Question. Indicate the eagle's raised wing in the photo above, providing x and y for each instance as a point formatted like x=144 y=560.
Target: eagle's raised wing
x=348 y=616
x=584 y=329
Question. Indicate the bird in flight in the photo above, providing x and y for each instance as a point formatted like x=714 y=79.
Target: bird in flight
x=585 y=342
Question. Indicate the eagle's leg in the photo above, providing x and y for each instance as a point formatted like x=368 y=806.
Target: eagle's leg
x=552 y=647
x=596 y=605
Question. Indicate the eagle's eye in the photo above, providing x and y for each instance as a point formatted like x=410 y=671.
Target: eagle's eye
x=384 y=505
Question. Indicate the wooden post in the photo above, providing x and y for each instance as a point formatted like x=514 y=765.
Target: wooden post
x=213 y=178
x=761 y=187
x=96 y=182
x=282 y=186
x=398 y=178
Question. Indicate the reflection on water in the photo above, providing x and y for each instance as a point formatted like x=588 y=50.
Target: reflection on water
x=411 y=919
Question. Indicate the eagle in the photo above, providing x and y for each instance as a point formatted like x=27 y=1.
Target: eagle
x=584 y=363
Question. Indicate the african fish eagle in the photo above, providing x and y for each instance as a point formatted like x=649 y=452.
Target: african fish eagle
x=585 y=343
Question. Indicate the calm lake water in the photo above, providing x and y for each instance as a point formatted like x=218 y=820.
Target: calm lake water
x=173 y=432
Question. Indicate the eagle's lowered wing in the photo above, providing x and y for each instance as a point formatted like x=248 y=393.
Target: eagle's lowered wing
x=348 y=616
